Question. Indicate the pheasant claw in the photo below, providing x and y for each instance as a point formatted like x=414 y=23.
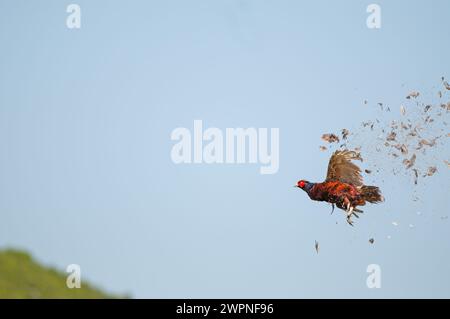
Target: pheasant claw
x=349 y=221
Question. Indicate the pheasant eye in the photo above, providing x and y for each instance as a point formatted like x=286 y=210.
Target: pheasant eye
x=301 y=184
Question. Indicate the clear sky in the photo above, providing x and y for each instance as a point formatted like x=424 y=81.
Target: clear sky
x=85 y=123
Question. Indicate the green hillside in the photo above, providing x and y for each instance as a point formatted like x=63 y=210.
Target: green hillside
x=23 y=277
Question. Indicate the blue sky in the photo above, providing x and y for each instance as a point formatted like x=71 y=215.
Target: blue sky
x=85 y=123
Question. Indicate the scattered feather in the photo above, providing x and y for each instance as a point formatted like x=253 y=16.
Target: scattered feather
x=410 y=162
x=402 y=148
x=402 y=110
x=345 y=133
x=412 y=94
x=330 y=138
x=391 y=136
x=423 y=142
x=431 y=170
x=416 y=175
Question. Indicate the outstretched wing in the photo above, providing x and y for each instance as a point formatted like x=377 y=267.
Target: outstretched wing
x=340 y=168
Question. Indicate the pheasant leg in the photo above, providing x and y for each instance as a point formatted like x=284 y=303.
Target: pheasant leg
x=349 y=215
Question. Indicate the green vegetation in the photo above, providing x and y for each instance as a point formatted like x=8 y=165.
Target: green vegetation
x=23 y=277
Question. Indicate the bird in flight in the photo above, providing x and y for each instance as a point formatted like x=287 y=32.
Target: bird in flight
x=343 y=185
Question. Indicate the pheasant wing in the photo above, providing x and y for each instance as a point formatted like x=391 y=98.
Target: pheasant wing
x=340 y=168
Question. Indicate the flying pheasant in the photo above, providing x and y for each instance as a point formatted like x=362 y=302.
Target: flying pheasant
x=343 y=185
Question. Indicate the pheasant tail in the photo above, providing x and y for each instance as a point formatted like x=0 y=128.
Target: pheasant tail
x=371 y=194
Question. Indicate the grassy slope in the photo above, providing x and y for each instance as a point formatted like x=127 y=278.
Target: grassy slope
x=22 y=277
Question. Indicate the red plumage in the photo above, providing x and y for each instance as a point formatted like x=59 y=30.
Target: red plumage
x=343 y=185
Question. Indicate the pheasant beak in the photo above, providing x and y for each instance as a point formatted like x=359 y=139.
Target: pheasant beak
x=295 y=186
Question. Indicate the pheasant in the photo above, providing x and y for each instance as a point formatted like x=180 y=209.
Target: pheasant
x=343 y=185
